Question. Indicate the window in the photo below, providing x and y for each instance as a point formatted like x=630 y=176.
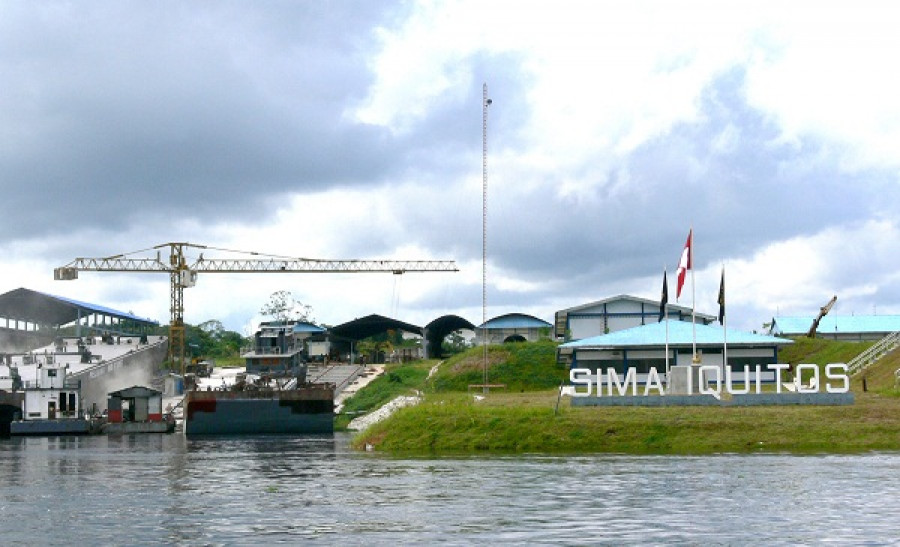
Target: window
x=737 y=363
x=643 y=366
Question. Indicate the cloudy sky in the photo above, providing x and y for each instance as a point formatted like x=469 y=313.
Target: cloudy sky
x=354 y=130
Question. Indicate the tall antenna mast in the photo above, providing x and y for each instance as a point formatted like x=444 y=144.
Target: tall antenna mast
x=485 y=102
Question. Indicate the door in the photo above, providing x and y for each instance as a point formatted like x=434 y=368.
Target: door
x=51 y=410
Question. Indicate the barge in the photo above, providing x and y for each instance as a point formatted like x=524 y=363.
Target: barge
x=271 y=397
x=307 y=409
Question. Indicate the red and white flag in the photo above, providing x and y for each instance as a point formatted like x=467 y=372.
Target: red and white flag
x=685 y=263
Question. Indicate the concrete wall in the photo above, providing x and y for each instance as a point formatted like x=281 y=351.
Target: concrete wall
x=19 y=341
x=134 y=369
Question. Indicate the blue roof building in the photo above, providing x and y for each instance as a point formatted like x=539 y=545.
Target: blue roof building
x=304 y=328
x=838 y=327
x=29 y=319
x=644 y=347
x=513 y=327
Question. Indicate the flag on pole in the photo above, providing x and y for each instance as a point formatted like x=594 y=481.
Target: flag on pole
x=722 y=298
x=664 y=298
x=684 y=264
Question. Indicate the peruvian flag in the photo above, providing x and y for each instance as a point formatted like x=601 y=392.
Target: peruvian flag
x=685 y=263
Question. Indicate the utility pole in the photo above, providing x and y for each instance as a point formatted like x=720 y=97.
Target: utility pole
x=485 y=102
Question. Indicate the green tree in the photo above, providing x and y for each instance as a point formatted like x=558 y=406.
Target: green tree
x=283 y=307
x=210 y=339
x=454 y=343
x=373 y=346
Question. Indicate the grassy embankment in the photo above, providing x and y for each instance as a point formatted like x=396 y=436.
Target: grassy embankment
x=522 y=417
x=397 y=380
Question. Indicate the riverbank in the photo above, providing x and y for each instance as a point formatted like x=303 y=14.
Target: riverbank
x=528 y=417
x=455 y=423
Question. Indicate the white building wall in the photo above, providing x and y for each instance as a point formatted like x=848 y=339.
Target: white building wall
x=595 y=358
x=585 y=327
x=621 y=323
x=623 y=306
x=613 y=316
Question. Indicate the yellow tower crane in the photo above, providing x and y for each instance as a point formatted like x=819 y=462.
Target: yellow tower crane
x=184 y=274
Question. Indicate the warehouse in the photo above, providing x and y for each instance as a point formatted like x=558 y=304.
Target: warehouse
x=644 y=347
x=615 y=314
x=513 y=327
x=838 y=327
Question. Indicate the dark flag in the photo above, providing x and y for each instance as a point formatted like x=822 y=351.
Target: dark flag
x=722 y=299
x=664 y=298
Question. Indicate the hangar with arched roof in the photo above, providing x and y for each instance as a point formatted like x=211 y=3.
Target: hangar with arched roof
x=437 y=330
x=513 y=327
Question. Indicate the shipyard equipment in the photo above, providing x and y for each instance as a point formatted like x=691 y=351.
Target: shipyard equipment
x=171 y=258
x=823 y=311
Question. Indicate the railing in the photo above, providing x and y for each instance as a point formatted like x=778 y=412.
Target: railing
x=875 y=352
x=268 y=350
x=137 y=348
x=349 y=379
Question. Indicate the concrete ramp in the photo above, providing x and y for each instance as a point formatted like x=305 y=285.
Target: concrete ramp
x=339 y=375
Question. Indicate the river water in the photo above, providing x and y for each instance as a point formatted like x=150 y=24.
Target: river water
x=165 y=489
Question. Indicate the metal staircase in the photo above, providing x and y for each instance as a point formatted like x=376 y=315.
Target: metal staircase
x=878 y=350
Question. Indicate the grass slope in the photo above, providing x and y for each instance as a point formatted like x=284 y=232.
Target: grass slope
x=455 y=424
x=398 y=379
x=524 y=417
x=518 y=366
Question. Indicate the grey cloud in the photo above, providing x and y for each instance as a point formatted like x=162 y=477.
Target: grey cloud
x=738 y=200
x=193 y=109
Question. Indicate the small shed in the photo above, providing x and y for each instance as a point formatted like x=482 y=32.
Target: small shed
x=135 y=404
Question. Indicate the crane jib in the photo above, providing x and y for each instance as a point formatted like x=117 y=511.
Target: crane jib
x=184 y=275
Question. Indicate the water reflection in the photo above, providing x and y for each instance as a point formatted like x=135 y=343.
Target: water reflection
x=168 y=489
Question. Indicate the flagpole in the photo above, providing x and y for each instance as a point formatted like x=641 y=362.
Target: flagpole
x=725 y=345
x=692 y=262
x=666 y=318
x=724 y=321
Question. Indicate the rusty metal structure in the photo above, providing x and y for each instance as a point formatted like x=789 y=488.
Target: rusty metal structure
x=823 y=311
x=183 y=272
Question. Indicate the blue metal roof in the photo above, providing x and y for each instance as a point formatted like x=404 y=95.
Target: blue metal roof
x=307 y=327
x=28 y=305
x=680 y=333
x=514 y=321
x=842 y=324
x=96 y=308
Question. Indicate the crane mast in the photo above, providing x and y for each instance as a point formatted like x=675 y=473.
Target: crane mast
x=183 y=274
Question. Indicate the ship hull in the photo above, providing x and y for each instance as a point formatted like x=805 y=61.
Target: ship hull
x=308 y=409
x=73 y=426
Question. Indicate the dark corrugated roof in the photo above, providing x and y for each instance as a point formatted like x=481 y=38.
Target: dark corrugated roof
x=371 y=325
x=135 y=392
x=47 y=309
